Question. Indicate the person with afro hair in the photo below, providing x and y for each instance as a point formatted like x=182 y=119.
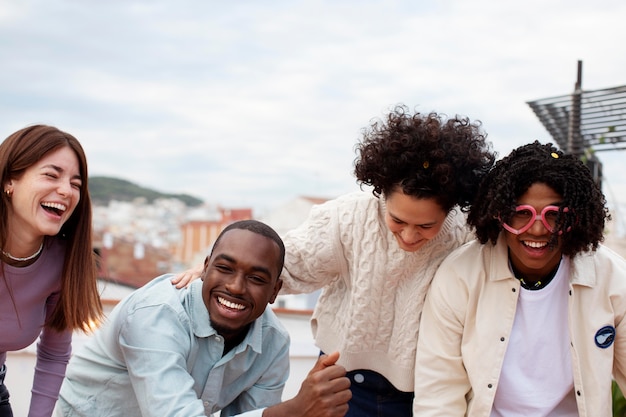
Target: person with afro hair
x=527 y=320
x=373 y=253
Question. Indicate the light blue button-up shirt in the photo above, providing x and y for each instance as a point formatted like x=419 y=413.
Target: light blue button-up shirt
x=157 y=355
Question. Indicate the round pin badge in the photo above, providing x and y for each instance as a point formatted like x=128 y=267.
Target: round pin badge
x=605 y=337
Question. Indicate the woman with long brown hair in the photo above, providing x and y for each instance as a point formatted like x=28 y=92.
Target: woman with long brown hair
x=48 y=284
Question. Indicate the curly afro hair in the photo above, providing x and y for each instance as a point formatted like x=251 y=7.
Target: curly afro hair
x=424 y=155
x=567 y=175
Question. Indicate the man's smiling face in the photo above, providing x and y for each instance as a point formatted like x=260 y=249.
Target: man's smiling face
x=240 y=279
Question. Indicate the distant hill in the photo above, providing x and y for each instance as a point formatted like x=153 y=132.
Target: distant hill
x=105 y=189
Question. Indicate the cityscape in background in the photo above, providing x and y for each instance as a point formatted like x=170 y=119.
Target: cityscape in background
x=137 y=241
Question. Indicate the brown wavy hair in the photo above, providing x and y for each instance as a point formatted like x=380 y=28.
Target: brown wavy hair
x=79 y=304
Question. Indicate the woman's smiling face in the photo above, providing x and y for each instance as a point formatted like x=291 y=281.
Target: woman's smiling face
x=413 y=221
x=45 y=195
x=530 y=252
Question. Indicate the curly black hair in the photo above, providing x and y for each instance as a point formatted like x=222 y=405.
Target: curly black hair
x=425 y=155
x=566 y=174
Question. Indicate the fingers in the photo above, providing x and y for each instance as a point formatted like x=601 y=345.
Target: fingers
x=324 y=361
x=326 y=373
x=185 y=278
x=326 y=390
x=331 y=359
x=332 y=392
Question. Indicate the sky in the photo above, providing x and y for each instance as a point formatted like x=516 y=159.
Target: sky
x=254 y=103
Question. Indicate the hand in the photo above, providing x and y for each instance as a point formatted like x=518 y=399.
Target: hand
x=325 y=392
x=183 y=279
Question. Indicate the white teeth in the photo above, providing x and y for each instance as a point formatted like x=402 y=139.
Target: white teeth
x=536 y=245
x=230 y=304
x=57 y=206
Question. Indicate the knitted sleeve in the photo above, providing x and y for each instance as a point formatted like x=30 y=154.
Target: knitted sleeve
x=311 y=258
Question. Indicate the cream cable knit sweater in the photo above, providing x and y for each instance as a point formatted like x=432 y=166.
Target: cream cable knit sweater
x=373 y=291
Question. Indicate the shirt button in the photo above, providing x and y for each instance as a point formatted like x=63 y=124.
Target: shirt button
x=218 y=338
x=359 y=378
x=206 y=403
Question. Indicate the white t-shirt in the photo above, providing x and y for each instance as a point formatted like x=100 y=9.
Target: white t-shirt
x=536 y=378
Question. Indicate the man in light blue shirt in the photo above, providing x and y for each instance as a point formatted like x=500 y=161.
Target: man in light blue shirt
x=215 y=345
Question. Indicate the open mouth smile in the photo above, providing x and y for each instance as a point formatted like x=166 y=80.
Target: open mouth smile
x=55 y=208
x=534 y=245
x=229 y=304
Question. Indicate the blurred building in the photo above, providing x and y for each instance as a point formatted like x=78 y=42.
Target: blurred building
x=199 y=233
x=291 y=214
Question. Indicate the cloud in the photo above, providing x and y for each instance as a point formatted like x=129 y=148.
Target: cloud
x=249 y=103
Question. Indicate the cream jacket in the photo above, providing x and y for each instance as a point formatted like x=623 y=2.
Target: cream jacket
x=468 y=316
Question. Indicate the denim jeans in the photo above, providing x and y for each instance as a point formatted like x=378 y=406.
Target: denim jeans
x=374 y=396
x=5 y=407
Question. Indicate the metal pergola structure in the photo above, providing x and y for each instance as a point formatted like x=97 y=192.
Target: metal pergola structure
x=602 y=118
x=585 y=122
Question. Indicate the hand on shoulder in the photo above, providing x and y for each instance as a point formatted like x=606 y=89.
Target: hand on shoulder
x=183 y=279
